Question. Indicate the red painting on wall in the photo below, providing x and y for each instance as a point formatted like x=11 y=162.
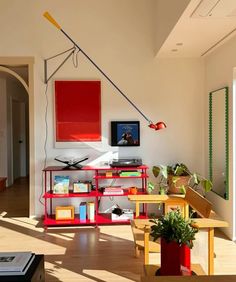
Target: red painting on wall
x=78 y=111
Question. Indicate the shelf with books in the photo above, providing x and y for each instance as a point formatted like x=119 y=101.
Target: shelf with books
x=105 y=218
x=51 y=221
x=50 y=194
x=126 y=193
x=120 y=176
x=83 y=206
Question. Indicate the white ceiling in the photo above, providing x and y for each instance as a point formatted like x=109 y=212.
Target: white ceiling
x=203 y=26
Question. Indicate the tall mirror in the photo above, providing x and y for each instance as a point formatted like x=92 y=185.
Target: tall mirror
x=218 y=141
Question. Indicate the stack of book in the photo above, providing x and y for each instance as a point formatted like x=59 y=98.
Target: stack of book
x=128 y=173
x=15 y=263
x=113 y=190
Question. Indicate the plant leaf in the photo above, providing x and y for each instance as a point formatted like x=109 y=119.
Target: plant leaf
x=156 y=171
x=164 y=171
x=179 y=170
x=175 y=179
x=207 y=185
x=182 y=189
x=151 y=186
x=195 y=178
x=174 y=227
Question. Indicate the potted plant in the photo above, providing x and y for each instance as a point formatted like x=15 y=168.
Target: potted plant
x=178 y=177
x=177 y=235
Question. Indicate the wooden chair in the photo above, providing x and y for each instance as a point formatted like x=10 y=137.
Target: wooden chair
x=143 y=243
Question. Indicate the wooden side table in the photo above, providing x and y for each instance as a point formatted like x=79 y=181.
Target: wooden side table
x=167 y=200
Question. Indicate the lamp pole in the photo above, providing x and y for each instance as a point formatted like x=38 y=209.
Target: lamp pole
x=157 y=126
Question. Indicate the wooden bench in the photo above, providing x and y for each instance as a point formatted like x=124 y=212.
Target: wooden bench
x=208 y=220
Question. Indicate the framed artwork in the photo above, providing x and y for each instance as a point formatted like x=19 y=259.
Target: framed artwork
x=65 y=213
x=125 y=133
x=78 y=111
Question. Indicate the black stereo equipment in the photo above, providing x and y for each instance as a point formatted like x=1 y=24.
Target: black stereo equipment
x=126 y=162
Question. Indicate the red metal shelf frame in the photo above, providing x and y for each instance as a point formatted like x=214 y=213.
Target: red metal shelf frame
x=48 y=196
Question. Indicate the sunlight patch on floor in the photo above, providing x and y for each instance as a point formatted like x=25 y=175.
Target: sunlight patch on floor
x=105 y=275
x=59 y=273
x=102 y=240
x=29 y=223
x=126 y=233
x=3 y=213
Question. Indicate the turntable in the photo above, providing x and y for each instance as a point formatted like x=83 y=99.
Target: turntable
x=127 y=162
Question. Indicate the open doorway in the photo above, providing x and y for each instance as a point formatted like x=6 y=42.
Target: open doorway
x=14 y=135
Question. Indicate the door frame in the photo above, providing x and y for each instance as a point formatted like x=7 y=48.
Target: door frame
x=29 y=62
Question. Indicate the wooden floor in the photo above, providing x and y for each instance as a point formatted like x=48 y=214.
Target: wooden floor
x=87 y=253
x=14 y=200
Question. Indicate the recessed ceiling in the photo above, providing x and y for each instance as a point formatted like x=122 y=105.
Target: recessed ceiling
x=204 y=25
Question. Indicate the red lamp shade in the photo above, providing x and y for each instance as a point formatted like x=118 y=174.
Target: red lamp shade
x=159 y=125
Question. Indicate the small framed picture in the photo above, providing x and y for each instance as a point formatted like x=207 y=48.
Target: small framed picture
x=81 y=187
x=65 y=213
x=125 y=133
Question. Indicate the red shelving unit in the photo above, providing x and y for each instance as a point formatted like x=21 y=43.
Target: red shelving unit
x=99 y=175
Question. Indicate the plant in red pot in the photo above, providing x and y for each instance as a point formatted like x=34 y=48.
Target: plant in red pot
x=177 y=235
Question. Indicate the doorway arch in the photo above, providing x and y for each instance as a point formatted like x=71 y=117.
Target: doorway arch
x=6 y=66
x=16 y=75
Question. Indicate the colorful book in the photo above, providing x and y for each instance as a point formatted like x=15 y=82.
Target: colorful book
x=61 y=184
x=82 y=211
x=113 y=190
x=130 y=173
x=91 y=210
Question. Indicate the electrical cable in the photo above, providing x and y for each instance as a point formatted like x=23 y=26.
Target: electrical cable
x=75 y=57
x=75 y=63
x=46 y=126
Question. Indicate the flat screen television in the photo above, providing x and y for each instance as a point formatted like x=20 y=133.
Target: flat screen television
x=125 y=133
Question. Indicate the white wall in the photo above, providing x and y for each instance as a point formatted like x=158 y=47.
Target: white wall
x=118 y=35
x=3 y=129
x=219 y=73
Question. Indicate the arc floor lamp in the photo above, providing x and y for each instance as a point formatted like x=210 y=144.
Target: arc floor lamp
x=156 y=126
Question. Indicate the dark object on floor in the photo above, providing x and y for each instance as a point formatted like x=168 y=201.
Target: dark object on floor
x=3 y=183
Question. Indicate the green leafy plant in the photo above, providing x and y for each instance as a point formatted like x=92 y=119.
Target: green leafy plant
x=174 y=227
x=175 y=172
